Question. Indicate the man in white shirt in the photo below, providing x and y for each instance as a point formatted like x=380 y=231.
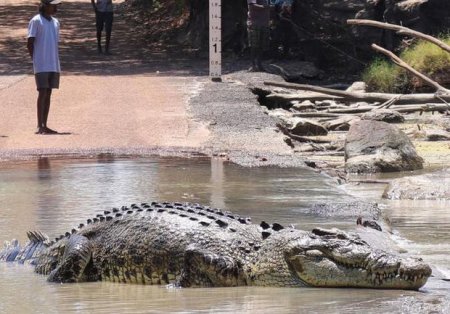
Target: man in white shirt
x=42 y=44
x=103 y=18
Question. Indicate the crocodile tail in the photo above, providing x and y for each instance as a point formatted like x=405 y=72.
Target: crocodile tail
x=12 y=251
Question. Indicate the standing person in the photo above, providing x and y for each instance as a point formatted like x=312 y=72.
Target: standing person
x=103 y=18
x=258 y=27
x=42 y=44
x=282 y=27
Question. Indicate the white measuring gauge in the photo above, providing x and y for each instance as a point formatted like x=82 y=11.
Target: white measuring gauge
x=215 y=39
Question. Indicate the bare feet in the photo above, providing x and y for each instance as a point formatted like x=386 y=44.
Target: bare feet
x=45 y=130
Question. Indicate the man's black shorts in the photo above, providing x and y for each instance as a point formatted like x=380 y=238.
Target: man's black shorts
x=104 y=19
x=47 y=80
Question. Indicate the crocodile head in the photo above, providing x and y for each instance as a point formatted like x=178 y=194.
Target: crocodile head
x=333 y=258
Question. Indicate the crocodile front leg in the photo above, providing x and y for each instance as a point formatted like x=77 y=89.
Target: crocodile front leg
x=205 y=269
x=71 y=268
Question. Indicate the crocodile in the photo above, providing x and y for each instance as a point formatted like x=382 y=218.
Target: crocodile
x=190 y=245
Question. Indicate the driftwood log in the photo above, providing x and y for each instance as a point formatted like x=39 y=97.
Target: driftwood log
x=353 y=96
x=336 y=113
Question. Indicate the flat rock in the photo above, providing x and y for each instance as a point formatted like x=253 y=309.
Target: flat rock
x=385 y=115
x=437 y=135
x=432 y=186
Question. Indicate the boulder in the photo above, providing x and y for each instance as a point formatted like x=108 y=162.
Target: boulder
x=374 y=146
x=385 y=115
x=304 y=127
x=430 y=186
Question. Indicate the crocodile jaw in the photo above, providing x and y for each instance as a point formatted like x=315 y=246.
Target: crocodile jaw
x=317 y=270
x=347 y=261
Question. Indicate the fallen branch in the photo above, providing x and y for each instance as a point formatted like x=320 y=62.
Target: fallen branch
x=352 y=110
x=291 y=97
x=367 y=97
x=401 y=30
x=423 y=108
x=369 y=181
x=315 y=115
x=388 y=103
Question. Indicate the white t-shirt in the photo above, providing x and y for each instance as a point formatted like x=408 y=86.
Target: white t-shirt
x=45 y=53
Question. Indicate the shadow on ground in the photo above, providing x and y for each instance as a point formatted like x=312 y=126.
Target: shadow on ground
x=78 y=49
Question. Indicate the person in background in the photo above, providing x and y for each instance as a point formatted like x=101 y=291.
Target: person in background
x=42 y=45
x=282 y=32
x=104 y=16
x=258 y=28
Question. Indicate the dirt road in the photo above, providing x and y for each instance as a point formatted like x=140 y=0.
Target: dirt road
x=132 y=99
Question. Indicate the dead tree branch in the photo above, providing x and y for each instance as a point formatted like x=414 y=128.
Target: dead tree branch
x=401 y=30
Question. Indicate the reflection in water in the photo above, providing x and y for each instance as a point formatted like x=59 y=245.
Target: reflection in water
x=105 y=158
x=43 y=164
x=217 y=180
x=53 y=196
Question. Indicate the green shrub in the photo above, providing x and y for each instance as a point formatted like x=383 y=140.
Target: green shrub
x=381 y=75
x=425 y=57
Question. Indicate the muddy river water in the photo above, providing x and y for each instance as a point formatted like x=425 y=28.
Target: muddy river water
x=53 y=196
